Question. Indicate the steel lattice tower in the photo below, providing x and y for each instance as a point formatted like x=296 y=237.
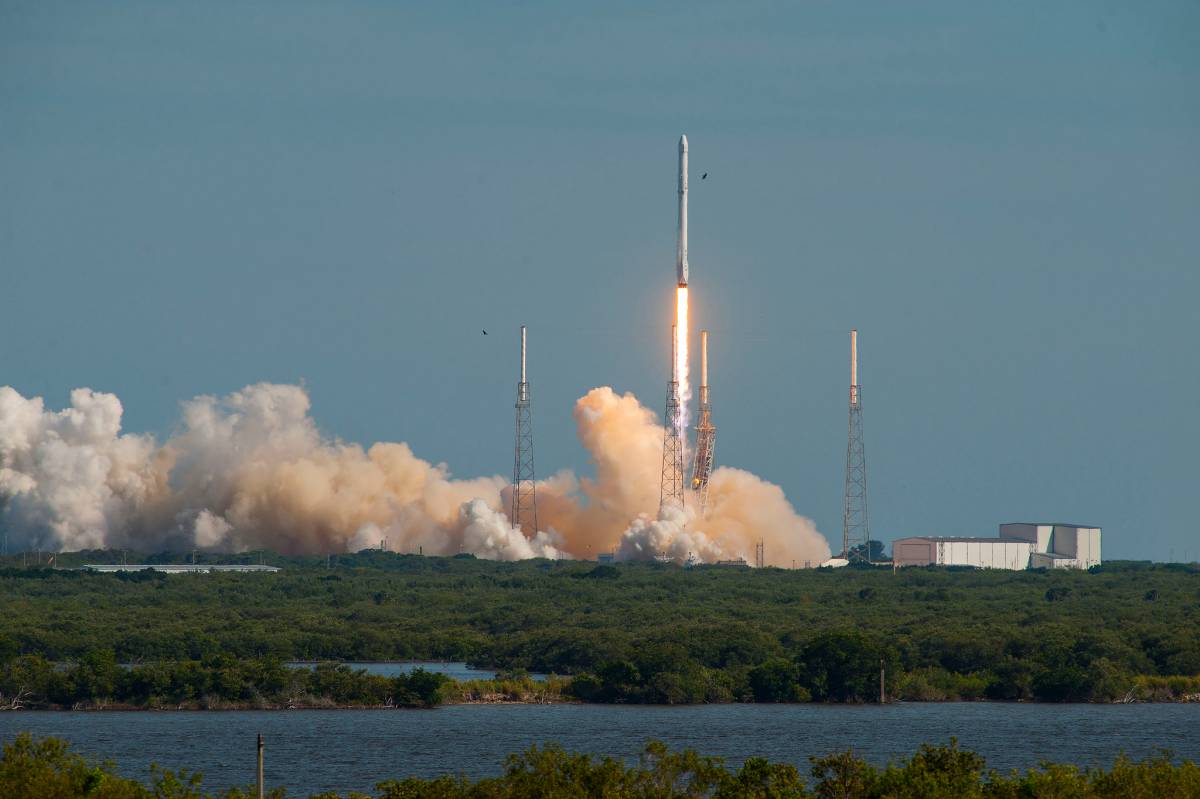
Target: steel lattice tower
x=706 y=432
x=671 y=492
x=855 y=527
x=524 y=493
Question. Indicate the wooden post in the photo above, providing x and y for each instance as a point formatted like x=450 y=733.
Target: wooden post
x=882 y=693
x=260 y=766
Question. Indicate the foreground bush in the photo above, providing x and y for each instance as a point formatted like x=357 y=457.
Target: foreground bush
x=48 y=770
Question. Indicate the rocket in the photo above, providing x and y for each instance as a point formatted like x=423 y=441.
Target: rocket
x=681 y=265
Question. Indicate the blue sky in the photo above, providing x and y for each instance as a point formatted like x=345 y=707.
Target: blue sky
x=1003 y=199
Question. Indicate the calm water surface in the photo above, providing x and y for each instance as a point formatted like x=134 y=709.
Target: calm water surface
x=310 y=751
x=391 y=668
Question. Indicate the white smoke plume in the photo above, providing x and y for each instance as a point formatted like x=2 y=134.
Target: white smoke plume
x=251 y=470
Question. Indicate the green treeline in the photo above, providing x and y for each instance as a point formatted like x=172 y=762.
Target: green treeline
x=219 y=681
x=32 y=769
x=635 y=632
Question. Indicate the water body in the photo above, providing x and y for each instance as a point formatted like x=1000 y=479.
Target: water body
x=310 y=751
x=454 y=670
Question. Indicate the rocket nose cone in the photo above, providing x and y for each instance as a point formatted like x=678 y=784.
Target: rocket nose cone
x=683 y=144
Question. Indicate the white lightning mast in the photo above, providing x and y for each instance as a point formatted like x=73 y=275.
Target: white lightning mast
x=706 y=432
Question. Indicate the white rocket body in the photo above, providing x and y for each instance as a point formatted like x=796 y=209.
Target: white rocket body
x=681 y=264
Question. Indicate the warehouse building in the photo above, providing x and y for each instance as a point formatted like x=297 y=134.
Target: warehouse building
x=1021 y=545
x=178 y=568
x=1058 y=546
x=983 y=553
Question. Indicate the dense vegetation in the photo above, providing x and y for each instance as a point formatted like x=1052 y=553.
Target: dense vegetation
x=638 y=632
x=217 y=682
x=39 y=769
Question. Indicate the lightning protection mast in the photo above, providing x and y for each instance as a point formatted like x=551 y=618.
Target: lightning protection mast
x=706 y=432
x=524 y=493
x=855 y=528
x=670 y=492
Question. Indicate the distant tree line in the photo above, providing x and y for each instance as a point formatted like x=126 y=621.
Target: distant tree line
x=30 y=682
x=630 y=632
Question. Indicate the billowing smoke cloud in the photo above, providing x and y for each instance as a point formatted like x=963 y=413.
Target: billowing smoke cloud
x=69 y=477
x=625 y=442
x=251 y=470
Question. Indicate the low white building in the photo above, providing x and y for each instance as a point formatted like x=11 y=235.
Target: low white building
x=983 y=553
x=1019 y=546
x=179 y=568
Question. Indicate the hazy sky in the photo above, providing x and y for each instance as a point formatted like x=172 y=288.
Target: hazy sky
x=1004 y=200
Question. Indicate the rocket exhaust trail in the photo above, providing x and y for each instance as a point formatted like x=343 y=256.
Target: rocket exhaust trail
x=681 y=358
x=670 y=493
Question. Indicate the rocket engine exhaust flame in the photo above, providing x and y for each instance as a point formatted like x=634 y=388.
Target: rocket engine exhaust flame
x=681 y=360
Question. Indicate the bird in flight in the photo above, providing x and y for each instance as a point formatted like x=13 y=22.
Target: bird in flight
x=705 y=175
x=485 y=332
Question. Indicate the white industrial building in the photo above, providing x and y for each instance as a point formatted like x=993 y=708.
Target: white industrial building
x=178 y=568
x=983 y=553
x=1019 y=546
x=1058 y=546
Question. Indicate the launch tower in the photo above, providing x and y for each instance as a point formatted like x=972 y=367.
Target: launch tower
x=671 y=488
x=706 y=432
x=524 y=494
x=855 y=528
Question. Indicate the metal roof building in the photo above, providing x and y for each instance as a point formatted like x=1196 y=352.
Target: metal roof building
x=983 y=553
x=1022 y=545
x=178 y=568
x=1057 y=545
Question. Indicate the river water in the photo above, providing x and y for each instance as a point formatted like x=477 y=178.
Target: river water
x=455 y=670
x=317 y=750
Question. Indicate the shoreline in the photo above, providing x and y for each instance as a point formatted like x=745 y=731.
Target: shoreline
x=246 y=708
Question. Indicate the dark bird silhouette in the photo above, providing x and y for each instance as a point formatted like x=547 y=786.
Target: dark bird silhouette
x=485 y=332
x=705 y=175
